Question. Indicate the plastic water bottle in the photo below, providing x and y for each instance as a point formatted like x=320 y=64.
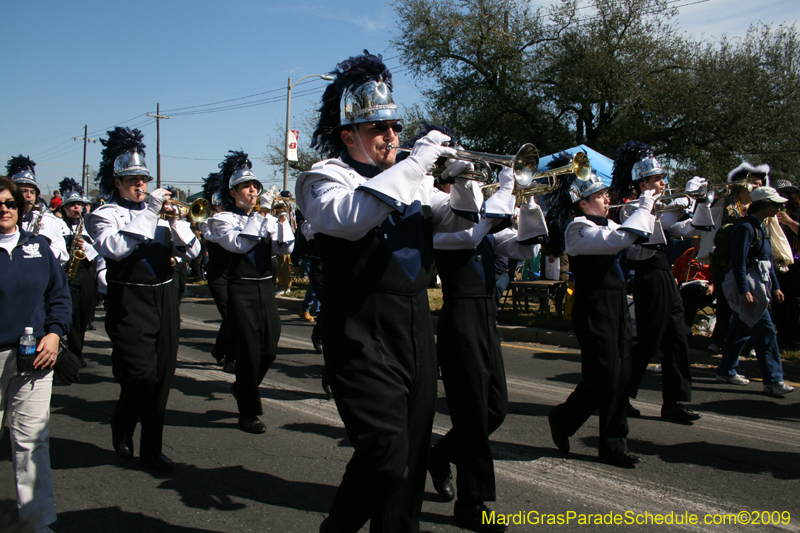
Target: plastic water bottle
x=27 y=343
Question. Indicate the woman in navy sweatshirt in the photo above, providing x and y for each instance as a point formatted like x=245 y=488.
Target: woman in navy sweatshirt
x=34 y=285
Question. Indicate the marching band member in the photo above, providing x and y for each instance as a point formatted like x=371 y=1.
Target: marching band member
x=80 y=266
x=659 y=307
x=36 y=218
x=217 y=276
x=373 y=221
x=468 y=348
x=249 y=238
x=142 y=311
x=600 y=315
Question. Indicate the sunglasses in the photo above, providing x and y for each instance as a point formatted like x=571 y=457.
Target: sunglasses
x=383 y=127
x=10 y=204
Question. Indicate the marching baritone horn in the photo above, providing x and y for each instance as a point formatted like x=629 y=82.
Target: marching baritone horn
x=524 y=163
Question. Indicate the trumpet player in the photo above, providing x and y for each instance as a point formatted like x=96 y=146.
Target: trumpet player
x=600 y=314
x=81 y=264
x=249 y=238
x=36 y=218
x=142 y=304
x=659 y=308
x=373 y=221
x=468 y=347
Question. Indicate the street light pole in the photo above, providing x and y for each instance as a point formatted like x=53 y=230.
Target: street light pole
x=289 y=87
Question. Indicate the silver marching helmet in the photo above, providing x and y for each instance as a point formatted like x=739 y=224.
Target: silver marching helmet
x=25 y=177
x=646 y=167
x=73 y=196
x=580 y=190
x=369 y=102
x=242 y=175
x=131 y=164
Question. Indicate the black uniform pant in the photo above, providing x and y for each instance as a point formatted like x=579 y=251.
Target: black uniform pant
x=142 y=323
x=218 y=287
x=471 y=360
x=660 y=327
x=254 y=330
x=315 y=278
x=602 y=326
x=787 y=314
x=82 y=290
x=722 y=312
x=380 y=358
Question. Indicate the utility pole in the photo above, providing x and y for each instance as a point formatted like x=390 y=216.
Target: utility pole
x=158 y=116
x=84 y=174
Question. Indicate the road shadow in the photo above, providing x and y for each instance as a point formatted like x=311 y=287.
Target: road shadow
x=779 y=464
x=332 y=432
x=119 y=521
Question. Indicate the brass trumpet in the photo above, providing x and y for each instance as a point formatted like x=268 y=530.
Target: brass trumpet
x=580 y=166
x=524 y=163
x=196 y=212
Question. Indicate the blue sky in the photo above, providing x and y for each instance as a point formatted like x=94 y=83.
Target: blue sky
x=108 y=63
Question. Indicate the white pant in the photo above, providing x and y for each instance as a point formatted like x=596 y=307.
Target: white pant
x=25 y=410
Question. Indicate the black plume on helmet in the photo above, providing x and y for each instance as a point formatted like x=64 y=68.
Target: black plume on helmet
x=68 y=184
x=212 y=185
x=621 y=173
x=18 y=163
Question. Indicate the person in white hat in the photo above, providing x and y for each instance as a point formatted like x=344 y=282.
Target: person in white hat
x=750 y=286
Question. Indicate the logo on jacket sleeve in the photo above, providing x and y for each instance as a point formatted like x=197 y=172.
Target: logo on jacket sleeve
x=31 y=250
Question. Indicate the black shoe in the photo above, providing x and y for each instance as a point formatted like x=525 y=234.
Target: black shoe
x=219 y=358
x=83 y=361
x=678 y=413
x=159 y=462
x=317 y=342
x=91 y=327
x=326 y=386
x=471 y=516
x=123 y=444
x=442 y=478
x=560 y=438
x=251 y=424
x=230 y=367
x=633 y=412
x=622 y=458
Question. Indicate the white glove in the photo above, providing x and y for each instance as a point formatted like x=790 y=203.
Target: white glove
x=506 y=180
x=157 y=199
x=268 y=197
x=695 y=184
x=429 y=149
x=454 y=167
x=647 y=200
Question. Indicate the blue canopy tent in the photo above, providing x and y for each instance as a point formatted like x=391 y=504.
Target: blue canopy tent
x=601 y=164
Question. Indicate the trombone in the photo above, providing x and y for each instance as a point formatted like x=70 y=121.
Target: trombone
x=524 y=163
x=546 y=182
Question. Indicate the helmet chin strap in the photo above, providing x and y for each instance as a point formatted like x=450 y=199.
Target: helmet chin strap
x=361 y=146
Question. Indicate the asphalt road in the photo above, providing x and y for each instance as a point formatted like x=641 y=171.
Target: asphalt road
x=743 y=456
